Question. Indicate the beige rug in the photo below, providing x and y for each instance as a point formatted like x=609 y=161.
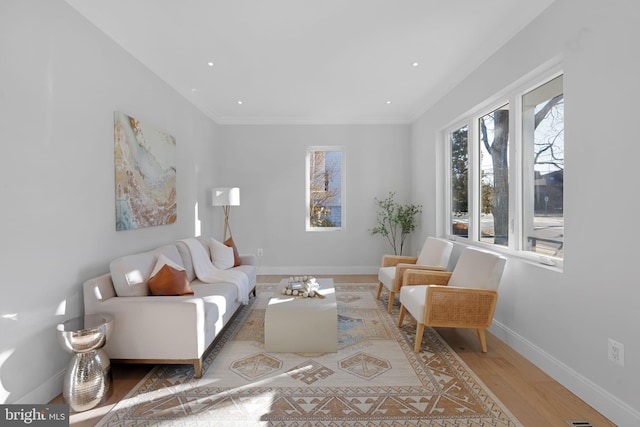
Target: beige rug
x=375 y=378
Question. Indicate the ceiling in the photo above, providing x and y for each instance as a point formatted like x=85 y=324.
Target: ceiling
x=306 y=61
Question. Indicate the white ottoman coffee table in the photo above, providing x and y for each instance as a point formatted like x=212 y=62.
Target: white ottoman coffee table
x=302 y=325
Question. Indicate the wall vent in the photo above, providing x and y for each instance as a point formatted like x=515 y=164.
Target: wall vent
x=579 y=423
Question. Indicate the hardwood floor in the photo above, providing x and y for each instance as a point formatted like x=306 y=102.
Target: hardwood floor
x=531 y=395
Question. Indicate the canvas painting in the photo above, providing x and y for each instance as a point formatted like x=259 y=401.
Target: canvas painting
x=145 y=169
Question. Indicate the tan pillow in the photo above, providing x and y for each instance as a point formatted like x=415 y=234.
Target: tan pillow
x=169 y=278
x=236 y=257
x=169 y=281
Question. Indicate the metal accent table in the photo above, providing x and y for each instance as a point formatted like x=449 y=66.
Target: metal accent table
x=87 y=381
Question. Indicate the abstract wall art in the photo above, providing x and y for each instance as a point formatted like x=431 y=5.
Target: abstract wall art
x=145 y=172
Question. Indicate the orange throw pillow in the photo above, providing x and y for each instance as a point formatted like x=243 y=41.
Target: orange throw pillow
x=170 y=281
x=236 y=257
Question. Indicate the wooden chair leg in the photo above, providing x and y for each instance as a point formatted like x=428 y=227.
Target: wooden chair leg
x=419 y=332
x=379 y=290
x=392 y=298
x=403 y=311
x=483 y=340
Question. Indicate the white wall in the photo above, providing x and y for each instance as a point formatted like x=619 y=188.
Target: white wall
x=562 y=320
x=61 y=80
x=269 y=167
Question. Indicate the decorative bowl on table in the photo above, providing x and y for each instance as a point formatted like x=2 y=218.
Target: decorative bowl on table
x=304 y=286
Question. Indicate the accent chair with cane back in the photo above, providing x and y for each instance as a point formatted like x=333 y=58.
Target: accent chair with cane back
x=464 y=298
x=434 y=255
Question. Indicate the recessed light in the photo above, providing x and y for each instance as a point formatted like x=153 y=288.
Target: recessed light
x=210 y=64
x=388 y=102
x=415 y=64
x=239 y=102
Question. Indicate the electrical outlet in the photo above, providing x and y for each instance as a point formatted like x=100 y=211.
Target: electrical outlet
x=616 y=352
x=260 y=252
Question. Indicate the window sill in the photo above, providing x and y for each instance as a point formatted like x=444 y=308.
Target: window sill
x=537 y=260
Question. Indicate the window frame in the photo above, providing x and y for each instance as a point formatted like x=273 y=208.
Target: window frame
x=512 y=95
x=325 y=148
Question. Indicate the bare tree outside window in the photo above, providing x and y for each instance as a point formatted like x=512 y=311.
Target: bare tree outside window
x=325 y=188
x=540 y=217
x=543 y=162
x=460 y=182
x=494 y=179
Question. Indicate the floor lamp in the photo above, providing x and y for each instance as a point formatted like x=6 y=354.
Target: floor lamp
x=225 y=197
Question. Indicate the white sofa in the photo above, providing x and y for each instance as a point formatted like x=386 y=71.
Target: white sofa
x=163 y=329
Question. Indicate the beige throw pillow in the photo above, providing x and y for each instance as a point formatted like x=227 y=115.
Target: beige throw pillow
x=221 y=255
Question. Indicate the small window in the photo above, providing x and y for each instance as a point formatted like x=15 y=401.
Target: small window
x=325 y=188
x=459 y=182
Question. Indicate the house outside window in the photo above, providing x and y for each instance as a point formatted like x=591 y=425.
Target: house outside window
x=543 y=168
x=325 y=188
x=505 y=184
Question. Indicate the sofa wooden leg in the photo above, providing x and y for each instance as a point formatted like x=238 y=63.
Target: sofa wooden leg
x=392 y=298
x=197 y=367
x=379 y=290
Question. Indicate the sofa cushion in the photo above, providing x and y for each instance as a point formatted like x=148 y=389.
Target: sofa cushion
x=221 y=255
x=168 y=278
x=220 y=303
x=130 y=274
x=250 y=271
x=236 y=257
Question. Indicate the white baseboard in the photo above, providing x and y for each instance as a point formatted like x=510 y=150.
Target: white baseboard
x=601 y=400
x=311 y=270
x=45 y=392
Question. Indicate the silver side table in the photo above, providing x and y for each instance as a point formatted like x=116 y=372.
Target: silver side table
x=87 y=381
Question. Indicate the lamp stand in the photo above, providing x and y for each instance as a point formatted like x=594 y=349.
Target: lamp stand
x=226 y=223
x=225 y=197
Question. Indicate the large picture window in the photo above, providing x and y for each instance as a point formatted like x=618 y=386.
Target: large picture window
x=506 y=172
x=325 y=188
x=543 y=168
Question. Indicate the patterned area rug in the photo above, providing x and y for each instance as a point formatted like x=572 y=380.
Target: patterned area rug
x=375 y=378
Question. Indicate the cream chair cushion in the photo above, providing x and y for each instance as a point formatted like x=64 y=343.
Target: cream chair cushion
x=435 y=253
x=386 y=275
x=414 y=300
x=478 y=269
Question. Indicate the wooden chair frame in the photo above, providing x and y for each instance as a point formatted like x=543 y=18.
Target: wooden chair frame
x=452 y=307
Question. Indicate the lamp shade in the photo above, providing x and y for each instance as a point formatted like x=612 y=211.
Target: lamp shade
x=225 y=196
